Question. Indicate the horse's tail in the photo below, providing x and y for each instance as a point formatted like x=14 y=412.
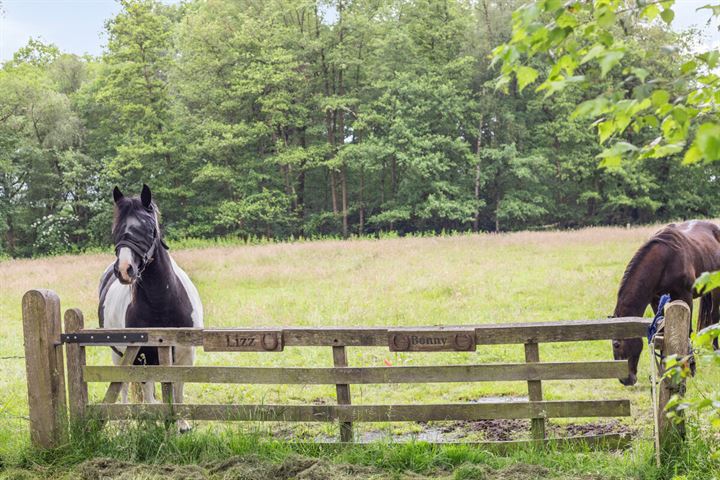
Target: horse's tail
x=705 y=313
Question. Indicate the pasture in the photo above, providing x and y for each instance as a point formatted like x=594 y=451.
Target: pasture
x=520 y=277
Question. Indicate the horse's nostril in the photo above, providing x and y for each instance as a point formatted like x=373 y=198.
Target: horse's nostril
x=130 y=271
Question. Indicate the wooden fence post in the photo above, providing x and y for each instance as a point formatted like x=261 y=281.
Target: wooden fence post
x=676 y=341
x=45 y=368
x=343 y=393
x=165 y=359
x=77 y=387
x=532 y=355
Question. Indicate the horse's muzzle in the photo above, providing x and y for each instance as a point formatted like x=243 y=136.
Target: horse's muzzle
x=127 y=276
x=629 y=381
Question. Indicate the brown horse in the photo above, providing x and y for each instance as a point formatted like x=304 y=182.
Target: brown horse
x=669 y=262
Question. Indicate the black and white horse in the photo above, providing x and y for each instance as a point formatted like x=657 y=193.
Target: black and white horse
x=145 y=288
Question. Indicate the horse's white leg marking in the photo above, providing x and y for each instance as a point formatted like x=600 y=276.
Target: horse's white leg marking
x=148 y=389
x=182 y=356
x=124 y=389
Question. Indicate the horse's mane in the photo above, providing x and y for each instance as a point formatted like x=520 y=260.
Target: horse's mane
x=133 y=205
x=669 y=236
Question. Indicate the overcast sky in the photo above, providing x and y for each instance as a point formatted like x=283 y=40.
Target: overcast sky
x=76 y=26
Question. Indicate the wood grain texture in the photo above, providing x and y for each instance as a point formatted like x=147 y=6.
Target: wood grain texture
x=431 y=339
x=233 y=340
x=77 y=387
x=45 y=368
x=630 y=327
x=360 y=375
x=165 y=360
x=532 y=355
x=157 y=337
x=343 y=393
x=367 y=413
x=541 y=332
x=676 y=341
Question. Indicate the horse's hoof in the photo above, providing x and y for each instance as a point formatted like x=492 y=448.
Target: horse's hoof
x=183 y=426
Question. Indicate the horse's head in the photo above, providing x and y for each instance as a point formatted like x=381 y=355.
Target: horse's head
x=628 y=349
x=135 y=234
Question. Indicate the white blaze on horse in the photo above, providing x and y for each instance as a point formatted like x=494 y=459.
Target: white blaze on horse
x=145 y=288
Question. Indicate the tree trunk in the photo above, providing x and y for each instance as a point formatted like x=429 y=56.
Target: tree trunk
x=361 y=228
x=340 y=131
x=343 y=186
x=478 y=144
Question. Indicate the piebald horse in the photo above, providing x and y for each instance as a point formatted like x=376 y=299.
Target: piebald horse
x=669 y=262
x=145 y=288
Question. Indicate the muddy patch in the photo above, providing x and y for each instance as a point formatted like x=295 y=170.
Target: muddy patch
x=596 y=428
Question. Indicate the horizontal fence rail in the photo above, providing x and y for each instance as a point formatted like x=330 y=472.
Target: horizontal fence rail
x=398 y=339
x=501 y=372
x=368 y=413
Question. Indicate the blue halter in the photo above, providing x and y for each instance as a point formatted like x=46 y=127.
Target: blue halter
x=659 y=316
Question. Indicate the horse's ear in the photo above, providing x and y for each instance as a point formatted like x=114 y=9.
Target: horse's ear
x=146 y=196
x=117 y=194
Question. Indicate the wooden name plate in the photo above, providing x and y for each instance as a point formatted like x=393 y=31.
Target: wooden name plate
x=243 y=340
x=432 y=340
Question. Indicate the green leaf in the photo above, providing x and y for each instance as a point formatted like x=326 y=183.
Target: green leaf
x=667 y=15
x=707 y=281
x=710 y=58
x=525 y=76
x=591 y=108
x=594 y=52
x=707 y=140
x=640 y=73
x=605 y=130
x=659 y=97
x=609 y=60
x=693 y=155
x=650 y=12
x=688 y=67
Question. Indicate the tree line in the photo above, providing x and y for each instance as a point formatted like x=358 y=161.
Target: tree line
x=307 y=118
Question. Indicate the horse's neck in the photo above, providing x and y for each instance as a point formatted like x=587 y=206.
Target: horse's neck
x=159 y=282
x=641 y=282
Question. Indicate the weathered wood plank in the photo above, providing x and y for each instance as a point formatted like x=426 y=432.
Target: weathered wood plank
x=343 y=393
x=77 y=387
x=676 y=341
x=113 y=390
x=368 y=413
x=532 y=355
x=232 y=340
x=436 y=339
x=44 y=367
x=629 y=327
x=165 y=360
x=334 y=336
x=360 y=375
x=157 y=337
x=541 y=332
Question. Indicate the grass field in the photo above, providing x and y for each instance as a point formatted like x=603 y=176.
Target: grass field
x=521 y=277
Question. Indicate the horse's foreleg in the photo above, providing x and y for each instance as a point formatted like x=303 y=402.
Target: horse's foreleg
x=117 y=359
x=148 y=392
x=182 y=356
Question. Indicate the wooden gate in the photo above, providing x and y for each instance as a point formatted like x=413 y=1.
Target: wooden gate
x=46 y=385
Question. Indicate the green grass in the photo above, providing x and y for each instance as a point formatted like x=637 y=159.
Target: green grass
x=462 y=279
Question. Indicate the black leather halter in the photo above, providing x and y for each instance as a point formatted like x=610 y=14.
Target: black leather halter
x=135 y=239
